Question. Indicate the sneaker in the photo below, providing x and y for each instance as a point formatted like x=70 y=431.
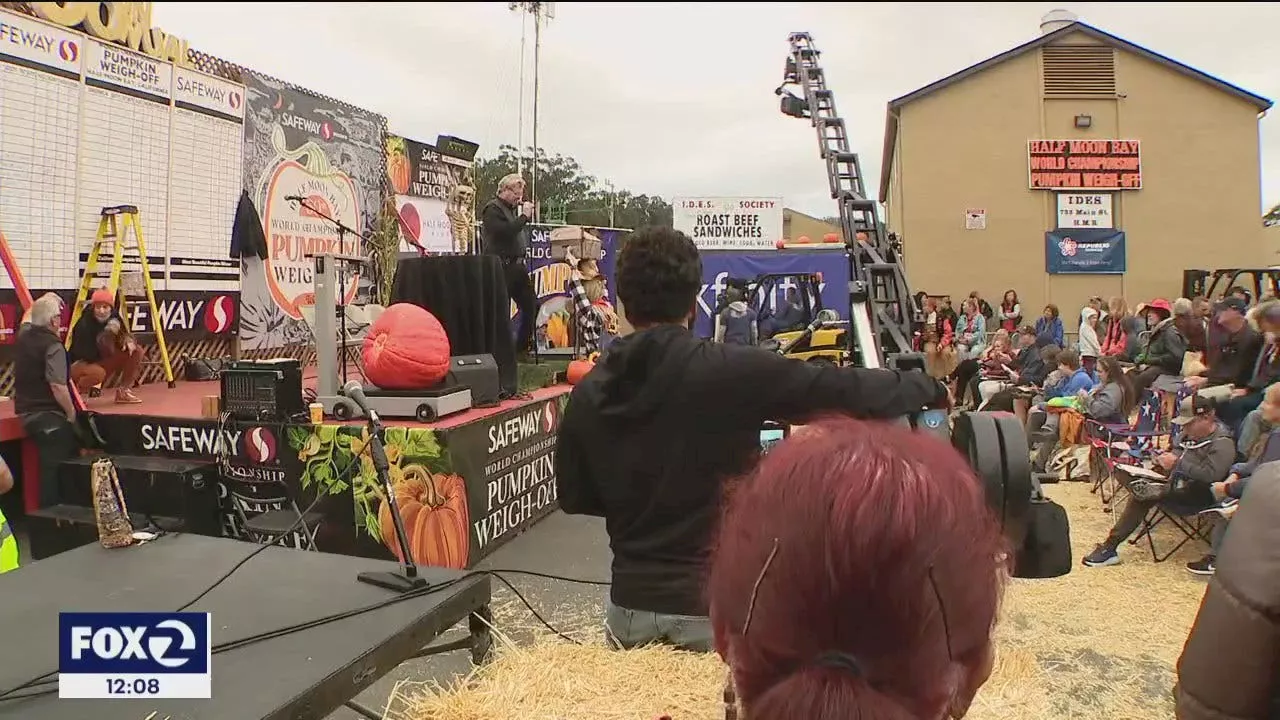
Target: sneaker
x=126 y=397
x=1101 y=556
x=1204 y=566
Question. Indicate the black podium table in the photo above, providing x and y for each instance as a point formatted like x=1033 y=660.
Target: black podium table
x=468 y=295
x=303 y=675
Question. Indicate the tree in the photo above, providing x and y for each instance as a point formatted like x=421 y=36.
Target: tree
x=567 y=194
x=1272 y=217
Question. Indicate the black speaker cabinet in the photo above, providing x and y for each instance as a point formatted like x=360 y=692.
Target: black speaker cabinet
x=480 y=373
x=164 y=488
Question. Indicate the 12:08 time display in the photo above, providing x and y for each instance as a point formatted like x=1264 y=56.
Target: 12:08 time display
x=136 y=686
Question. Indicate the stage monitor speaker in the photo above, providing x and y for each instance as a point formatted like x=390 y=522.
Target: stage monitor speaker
x=478 y=372
x=164 y=488
x=262 y=390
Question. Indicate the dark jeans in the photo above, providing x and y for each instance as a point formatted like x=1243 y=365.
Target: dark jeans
x=520 y=290
x=966 y=371
x=56 y=441
x=1135 y=511
x=1233 y=412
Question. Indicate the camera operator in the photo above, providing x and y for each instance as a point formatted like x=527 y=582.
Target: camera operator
x=505 y=226
x=650 y=436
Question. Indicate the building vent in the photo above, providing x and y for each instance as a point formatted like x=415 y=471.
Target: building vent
x=1076 y=70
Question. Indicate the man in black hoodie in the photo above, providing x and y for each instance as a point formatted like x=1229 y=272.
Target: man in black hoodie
x=504 y=223
x=652 y=433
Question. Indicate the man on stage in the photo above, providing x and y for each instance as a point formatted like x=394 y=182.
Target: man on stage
x=42 y=399
x=504 y=222
x=652 y=435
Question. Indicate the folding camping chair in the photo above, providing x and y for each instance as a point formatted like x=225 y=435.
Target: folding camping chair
x=1116 y=444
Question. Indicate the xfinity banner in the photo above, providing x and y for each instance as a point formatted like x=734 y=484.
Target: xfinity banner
x=1083 y=251
x=717 y=267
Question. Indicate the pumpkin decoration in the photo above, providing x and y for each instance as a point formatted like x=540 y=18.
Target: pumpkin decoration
x=398 y=170
x=406 y=349
x=437 y=522
x=831 y=238
x=578 y=369
x=803 y=240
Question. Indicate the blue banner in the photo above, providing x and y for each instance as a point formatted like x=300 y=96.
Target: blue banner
x=1084 y=251
x=717 y=267
x=549 y=277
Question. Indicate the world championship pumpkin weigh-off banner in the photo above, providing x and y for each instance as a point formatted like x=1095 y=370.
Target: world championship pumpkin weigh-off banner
x=462 y=491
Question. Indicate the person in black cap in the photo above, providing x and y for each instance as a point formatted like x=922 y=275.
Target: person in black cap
x=1231 y=361
x=1204 y=456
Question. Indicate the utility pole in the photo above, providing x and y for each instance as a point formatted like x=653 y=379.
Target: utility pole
x=541 y=11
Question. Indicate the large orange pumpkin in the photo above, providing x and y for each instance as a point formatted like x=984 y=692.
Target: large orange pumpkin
x=436 y=519
x=578 y=369
x=406 y=349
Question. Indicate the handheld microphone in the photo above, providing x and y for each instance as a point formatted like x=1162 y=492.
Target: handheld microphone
x=297 y=198
x=355 y=391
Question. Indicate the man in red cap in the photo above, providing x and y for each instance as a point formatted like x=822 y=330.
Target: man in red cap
x=101 y=347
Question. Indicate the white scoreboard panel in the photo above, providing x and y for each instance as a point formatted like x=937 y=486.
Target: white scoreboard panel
x=86 y=125
x=40 y=86
x=206 y=143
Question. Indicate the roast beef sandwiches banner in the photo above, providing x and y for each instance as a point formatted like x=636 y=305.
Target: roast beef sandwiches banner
x=298 y=144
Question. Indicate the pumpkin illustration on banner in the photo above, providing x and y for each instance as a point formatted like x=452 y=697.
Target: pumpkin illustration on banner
x=437 y=521
x=399 y=169
x=296 y=230
x=558 y=329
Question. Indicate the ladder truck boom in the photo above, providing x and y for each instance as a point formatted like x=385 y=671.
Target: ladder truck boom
x=883 y=317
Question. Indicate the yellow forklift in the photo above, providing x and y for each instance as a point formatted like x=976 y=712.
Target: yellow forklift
x=806 y=331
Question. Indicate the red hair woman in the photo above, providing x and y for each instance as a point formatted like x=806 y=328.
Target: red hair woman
x=872 y=594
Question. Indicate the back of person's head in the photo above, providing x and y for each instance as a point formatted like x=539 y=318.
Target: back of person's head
x=1049 y=354
x=1117 y=306
x=1069 y=359
x=873 y=593
x=659 y=274
x=1182 y=307
x=46 y=310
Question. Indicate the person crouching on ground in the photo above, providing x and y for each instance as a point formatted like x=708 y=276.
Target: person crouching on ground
x=651 y=435
x=827 y=607
x=737 y=323
x=597 y=321
x=101 y=346
x=1203 y=457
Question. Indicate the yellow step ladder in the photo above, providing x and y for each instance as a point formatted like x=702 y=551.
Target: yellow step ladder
x=112 y=229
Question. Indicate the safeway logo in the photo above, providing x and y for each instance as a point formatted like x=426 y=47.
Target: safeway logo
x=219 y=313
x=549 y=418
x=326 y=131
x=68 y=50
x=260 y=445
x=234 y=100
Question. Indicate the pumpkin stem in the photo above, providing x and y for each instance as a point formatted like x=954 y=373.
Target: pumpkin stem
x=432 y=494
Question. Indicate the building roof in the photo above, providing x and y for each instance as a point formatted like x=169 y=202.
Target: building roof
x=891 y=119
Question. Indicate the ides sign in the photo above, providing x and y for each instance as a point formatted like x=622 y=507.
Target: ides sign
x=132 y=655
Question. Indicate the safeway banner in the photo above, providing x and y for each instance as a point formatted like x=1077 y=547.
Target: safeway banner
x=1083 y=251
x=719 y=267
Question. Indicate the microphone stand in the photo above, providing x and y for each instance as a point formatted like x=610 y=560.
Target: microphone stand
x=343 y=230
x=407 y=579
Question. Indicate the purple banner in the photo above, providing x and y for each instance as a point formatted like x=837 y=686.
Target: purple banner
x=549 y=277
x=717 y=267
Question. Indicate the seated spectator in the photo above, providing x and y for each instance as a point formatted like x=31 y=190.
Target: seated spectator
x=984 y=307
x=1071 y=380
x=1234 y=486
x=1109 y=401
x=1026 y=362
x=1010 y=312
x=1228 y=666
x=102 y=346
x=1191 y=323
x=1089 y=345
x=1266 y=370
x=1049 y=327
x=826 y=608
x=42 y=398
x=736 y=323
x=1231 y=360
x=1123 y=331
x=938 y=342
x=1163 y=350
x=971 y=332
x=992 y=364
x=1017 y=398
x=1203 y=457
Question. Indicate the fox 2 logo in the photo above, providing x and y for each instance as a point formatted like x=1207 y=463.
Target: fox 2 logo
x=134 y=643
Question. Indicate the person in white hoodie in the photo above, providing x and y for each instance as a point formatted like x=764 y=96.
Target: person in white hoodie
x=1090 y=345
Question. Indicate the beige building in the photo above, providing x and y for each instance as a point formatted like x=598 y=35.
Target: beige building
x=796 y=225
x=976 y=164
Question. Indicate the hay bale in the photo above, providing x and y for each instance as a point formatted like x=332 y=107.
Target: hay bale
x=1098 y=644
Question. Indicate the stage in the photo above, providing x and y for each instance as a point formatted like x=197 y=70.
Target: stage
x=466 y=483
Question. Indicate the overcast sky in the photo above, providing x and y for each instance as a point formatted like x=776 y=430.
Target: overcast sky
x=676 y=98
